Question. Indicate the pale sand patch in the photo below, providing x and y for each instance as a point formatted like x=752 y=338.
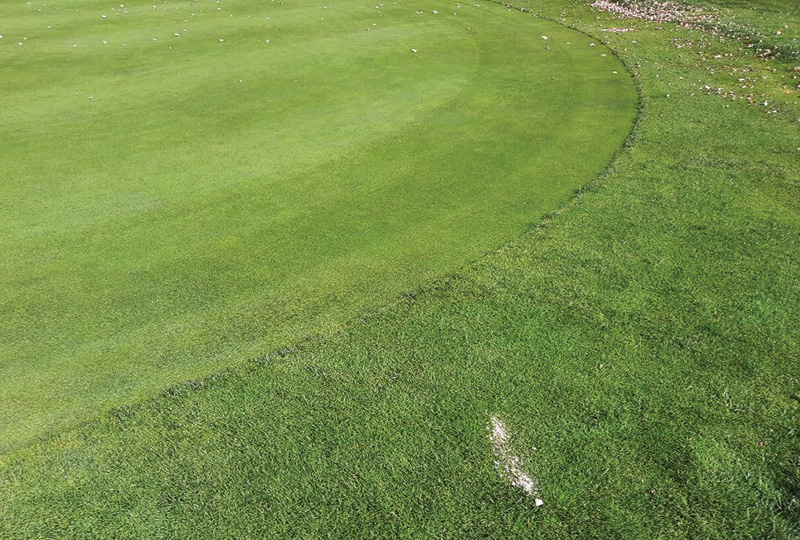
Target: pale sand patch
x=507 y=463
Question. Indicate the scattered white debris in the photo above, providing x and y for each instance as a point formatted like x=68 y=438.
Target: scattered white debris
x=657 y=11
x=544 y=38
x=508 y=464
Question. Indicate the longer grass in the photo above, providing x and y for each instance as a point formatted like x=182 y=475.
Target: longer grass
x=189 y=184
x=644 y=341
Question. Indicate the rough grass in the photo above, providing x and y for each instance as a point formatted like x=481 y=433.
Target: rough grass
x=174 y=204
x=643 y=340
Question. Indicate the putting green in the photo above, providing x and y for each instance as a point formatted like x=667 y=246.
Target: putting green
x=190 y=184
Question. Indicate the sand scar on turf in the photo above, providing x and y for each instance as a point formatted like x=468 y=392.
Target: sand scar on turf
x=507 y=463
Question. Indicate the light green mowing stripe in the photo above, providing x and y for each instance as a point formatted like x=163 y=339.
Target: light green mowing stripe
x=188 y=185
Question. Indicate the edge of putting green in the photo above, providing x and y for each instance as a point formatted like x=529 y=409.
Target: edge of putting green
x=314 y=326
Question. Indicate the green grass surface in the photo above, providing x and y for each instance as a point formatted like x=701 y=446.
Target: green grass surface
x=641 y=345
x=188 y=185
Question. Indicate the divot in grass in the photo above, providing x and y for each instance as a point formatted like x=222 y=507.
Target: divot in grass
x=507 y=463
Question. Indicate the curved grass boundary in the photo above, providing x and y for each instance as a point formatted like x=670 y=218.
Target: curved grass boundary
x=189 y=188
x=642 y=349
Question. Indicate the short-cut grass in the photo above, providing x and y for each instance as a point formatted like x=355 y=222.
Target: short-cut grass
x=641 y=345
x=189 y=184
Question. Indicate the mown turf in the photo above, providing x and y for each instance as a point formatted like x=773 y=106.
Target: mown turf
x=189 y=184
x=641 y=346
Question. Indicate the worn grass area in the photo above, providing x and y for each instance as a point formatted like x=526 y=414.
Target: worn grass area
x=188 y=185
x=641 y=346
